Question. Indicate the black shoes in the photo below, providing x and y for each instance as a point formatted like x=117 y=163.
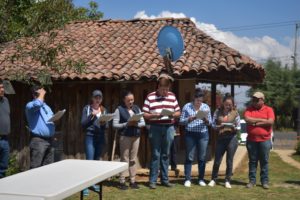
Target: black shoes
x=134 y=186
x=168 y=184
x=123 y=186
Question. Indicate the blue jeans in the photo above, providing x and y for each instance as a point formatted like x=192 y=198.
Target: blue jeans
x=195 y=141
x=259 y=151
x=4 y=156
x=161 y=138
x=93 y=146
x=229 y=145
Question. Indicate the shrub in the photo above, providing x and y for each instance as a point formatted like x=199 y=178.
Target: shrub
x=298 y=148
x=13 y=167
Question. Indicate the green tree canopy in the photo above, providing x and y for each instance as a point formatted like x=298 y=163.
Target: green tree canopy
x=20 y=18
x=28 y=18
x=280 y=89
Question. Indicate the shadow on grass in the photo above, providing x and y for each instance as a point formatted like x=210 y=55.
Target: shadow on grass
x=293 y=182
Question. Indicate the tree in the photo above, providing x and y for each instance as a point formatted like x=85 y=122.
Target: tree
x=29 y=18
x=281 y=92
x=19 y=18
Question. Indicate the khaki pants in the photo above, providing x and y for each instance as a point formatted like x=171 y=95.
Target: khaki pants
x=129 y=147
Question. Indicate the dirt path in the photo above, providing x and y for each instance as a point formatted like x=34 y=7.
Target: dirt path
x=285 y=155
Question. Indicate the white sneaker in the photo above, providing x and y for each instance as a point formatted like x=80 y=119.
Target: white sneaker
x=227 y=185
x=212 y=183
x=202 y=183
x=187 y=183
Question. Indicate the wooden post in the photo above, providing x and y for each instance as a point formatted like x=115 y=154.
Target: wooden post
x=213 y=108
x=232 y=90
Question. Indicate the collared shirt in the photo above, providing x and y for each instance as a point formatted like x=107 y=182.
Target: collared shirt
x=4 y=116
x=196 y=125
x=155 y=104
x=38 y=113
x=259 y=133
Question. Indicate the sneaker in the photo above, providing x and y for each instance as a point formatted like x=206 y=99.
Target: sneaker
x=168 y=184
x=134 y=186
x=227 y=185
x=85 y=192
x=123 y=186
x=266 y=186
x=187 y=183
x=96 y=188
x=152 y=186
x=250 y=185
x=202 y=183
x=212 y=183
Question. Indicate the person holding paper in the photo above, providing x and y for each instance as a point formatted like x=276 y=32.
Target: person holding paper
x=162 y=131
x=130 y=132
x=226 y=122
x=42 y=131
x=94 y=129
x=4 y=130
x=196 y=136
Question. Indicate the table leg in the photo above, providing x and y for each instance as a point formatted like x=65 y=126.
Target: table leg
x=81 y=195
x=100 y=192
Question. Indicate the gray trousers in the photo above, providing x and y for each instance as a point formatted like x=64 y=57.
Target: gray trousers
x=41 y=152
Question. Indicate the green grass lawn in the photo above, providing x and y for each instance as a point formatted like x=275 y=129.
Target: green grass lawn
x=296 y=157
x=284 y=182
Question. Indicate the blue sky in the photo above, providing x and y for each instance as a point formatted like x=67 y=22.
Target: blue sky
x=213 y=16
x=222 y=13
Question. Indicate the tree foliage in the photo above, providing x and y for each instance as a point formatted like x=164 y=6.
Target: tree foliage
x=28 y=18
x=280 y=89
x=20 y=18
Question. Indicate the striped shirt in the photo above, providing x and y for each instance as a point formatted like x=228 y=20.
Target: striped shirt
x=155 y=104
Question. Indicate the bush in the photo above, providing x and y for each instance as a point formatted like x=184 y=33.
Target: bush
x=298 y=148
x=13 y=167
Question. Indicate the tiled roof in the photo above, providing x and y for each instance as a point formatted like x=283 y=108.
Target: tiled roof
x=127 y=50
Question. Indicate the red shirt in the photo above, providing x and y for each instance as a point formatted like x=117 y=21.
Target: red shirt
x=259 y=133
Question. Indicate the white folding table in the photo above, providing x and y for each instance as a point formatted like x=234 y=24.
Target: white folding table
x=58 y=180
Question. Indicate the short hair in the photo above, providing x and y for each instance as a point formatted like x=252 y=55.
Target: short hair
x=198 y=93
x=35 y=88
x=125 y=93
x=164 y=82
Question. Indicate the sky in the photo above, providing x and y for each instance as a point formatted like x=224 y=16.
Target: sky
x=261 y=29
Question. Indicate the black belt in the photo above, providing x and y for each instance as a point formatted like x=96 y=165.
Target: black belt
x=41 y=137
x=3 y=137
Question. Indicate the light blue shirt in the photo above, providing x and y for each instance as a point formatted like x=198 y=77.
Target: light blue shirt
x=38 y=113
x=196 y=125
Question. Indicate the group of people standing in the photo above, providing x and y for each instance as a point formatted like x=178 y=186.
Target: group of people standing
x=225 y=122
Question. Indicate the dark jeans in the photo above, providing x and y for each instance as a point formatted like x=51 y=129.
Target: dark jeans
x=259 y=151
x=173 y=152
x=41 y=152
x=228 y=145
x=195 y=141
x=4 y=156
x=94 y=145
x=161 y=137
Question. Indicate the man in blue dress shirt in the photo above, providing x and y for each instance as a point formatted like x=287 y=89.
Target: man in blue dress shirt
x=38 y=113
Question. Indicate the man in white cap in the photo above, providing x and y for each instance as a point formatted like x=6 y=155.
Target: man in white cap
x=259 y=118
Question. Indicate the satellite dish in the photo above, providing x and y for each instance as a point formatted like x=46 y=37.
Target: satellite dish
x=170 y=43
